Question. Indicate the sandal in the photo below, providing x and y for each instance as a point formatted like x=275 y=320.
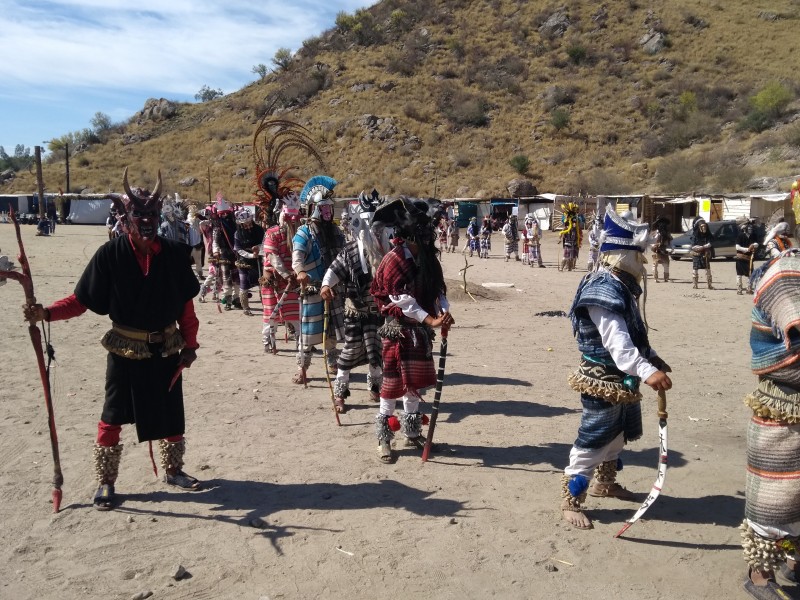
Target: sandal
x=299 y=378
x=104 y=498
x=182 y=480
x=385 y=454
x=416 y=442
x=788 y=573
x=340 y=406
x=611 y=490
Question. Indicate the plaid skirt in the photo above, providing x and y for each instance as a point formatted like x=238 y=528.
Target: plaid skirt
x=511 y=247
x=773 y=473
x=408 y=362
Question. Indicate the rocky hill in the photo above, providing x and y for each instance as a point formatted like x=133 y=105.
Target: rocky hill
x=456 y=98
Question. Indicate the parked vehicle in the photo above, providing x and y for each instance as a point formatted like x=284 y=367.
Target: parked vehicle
x=723 y=241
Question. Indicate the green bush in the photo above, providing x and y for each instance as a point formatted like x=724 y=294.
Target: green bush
x=772 y=99
x=560 y=118
x=765 y=107
x=206 y=94
x=577 y=54
x=282 y=59
x=520 y=163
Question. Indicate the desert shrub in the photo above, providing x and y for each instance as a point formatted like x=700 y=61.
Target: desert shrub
x=772 y=99
x=559 y=96
x=695 y=21
x=577 y=53
x=462 y=108
x=677 y=135
x=652 y=146
x=560 y=118
x=206 y=94
x=766 y=106
x=399 y=20
x=732 y=178
x=413 y=111
x=456 y=46
x=462 y=161
x=602 y=181
x=792 y=135
x=520 y=163
x=678 y=174
x=282 y=59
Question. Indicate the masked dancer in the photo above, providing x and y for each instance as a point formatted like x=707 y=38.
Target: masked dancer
x=615 y=357
x=701 y=252
x=570 y=236
x=771 y=528
x=354 y=268
x=146 y=285
x=746 y=246
x=777 y=240
x=659 y=246
x=314 y=247
x=410 y=292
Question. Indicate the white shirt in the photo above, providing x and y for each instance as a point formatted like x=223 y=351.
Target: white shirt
x=617 y=341
x=408 y=304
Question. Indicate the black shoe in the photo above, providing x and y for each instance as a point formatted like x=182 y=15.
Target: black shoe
x=104 y=498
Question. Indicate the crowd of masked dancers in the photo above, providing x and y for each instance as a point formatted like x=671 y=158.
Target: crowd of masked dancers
x=374 y=295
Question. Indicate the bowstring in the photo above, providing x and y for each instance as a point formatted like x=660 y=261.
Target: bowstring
x=51 y=355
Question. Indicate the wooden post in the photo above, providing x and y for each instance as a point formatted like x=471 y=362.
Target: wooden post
x=40 y=182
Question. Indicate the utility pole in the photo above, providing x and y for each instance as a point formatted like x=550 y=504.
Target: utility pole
x=40 y=181
x=66 y=151
x=209 y=185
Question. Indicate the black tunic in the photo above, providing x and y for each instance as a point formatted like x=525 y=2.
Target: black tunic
x=113 y=284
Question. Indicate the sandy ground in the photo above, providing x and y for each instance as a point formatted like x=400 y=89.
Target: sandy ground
x=297 y=507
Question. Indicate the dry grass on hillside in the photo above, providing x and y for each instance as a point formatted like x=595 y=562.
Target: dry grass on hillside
x=626 y=111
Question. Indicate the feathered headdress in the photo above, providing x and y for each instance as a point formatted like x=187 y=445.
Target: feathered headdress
x=274 y=137
x=571 y=221
x=319 y=187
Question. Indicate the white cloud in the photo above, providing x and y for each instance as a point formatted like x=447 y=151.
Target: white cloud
x=64 y=60
x=176 y=46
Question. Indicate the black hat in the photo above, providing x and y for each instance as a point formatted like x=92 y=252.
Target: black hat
x=406 y=216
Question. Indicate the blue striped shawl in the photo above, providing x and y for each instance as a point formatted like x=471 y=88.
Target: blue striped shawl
x=604 y=290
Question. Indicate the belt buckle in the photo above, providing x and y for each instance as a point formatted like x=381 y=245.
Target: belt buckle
x=155 y=337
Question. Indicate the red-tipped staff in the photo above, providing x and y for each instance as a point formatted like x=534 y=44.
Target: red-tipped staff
x=26 y=281
x=662 y=463
x=437 y=396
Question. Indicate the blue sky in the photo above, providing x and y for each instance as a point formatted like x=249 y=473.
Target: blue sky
x=63 y=61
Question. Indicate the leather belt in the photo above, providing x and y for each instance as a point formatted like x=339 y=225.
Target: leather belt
x=151 y=337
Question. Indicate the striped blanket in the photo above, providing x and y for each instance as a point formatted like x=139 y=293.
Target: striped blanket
x=602 y=422
x=408 y=361
x=773 y=474
x=775 y=332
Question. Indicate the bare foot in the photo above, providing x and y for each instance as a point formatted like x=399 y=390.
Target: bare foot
x=579 y=520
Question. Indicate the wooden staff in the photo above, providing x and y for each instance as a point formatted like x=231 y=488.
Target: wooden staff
x=437 y=396
x=26 y=281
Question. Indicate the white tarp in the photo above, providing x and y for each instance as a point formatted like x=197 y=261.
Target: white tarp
x=89 y=212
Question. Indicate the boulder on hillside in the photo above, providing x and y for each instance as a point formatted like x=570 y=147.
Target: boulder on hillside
x=556 y=24
x=652 y=42
x=187 y=181
x=156 y=109
x=7 y=175
x=521 y=188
